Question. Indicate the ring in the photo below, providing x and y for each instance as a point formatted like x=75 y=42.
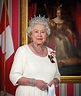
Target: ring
x=43 y=89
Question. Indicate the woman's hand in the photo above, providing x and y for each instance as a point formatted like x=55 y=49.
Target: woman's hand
x=55 y=81
x=41 y=84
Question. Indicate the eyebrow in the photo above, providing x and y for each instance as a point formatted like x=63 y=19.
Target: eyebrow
x=39 y=30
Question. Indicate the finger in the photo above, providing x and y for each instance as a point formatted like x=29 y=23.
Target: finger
x=43 y=89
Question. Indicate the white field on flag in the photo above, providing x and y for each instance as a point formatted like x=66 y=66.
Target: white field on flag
x=9 y=42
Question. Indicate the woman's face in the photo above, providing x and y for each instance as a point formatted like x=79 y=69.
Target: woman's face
x=59 y=13
x=39 y=34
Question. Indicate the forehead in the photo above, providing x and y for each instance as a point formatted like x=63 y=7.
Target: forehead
x=58 y=11
x=39 y=26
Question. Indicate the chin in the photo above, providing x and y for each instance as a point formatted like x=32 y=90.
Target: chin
x=40 y=42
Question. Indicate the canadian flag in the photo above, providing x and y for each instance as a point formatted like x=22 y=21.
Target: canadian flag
x=6 y=41
x=6 y=52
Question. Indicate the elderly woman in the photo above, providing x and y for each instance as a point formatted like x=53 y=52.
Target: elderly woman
x=33 y=70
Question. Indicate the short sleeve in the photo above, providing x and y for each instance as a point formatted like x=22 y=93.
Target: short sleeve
x=17 y=66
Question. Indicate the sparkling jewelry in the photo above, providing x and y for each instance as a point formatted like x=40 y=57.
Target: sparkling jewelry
x=59 y=8
x=40 y=52
x=32 y=82
x=52 y=56
x=38 y=19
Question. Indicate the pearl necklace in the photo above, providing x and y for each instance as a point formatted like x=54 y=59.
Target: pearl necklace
x=40 y=52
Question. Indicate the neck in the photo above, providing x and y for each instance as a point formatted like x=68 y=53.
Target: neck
x=58 y=17
x=39 y=49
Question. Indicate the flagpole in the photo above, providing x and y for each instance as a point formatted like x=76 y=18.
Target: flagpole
x=5 y=52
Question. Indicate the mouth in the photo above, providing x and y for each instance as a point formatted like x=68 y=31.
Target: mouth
x=39 y=38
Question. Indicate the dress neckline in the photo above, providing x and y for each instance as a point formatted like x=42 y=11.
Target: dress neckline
x=35 y=54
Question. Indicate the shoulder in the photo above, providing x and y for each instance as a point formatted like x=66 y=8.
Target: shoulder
x=22 y=48
x=52 y=22
x=21 y=52
x=57 y=21
x=49 y=49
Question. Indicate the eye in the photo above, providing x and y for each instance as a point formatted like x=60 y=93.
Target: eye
x=36 y=31
x=43 y=31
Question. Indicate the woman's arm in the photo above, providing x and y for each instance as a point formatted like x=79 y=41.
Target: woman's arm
x=32 y=82
x=56 y=79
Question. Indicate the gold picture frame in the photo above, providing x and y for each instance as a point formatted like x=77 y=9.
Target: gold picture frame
x=24 y=38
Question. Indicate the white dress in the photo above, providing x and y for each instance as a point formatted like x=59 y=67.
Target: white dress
x=29 y=65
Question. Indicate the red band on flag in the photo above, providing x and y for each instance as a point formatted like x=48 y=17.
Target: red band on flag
x=15 y=17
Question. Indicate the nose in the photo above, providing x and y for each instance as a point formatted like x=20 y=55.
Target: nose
x=39 y=34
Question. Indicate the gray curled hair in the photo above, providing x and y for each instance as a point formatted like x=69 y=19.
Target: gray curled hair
x=38 y=20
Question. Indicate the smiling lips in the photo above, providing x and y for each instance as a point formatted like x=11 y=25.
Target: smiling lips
x=39 y=38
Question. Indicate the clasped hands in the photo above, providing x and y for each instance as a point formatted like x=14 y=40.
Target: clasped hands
x=42 y=85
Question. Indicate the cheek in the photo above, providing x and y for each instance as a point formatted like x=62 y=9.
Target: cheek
x=33 y=35
x=45 y=37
